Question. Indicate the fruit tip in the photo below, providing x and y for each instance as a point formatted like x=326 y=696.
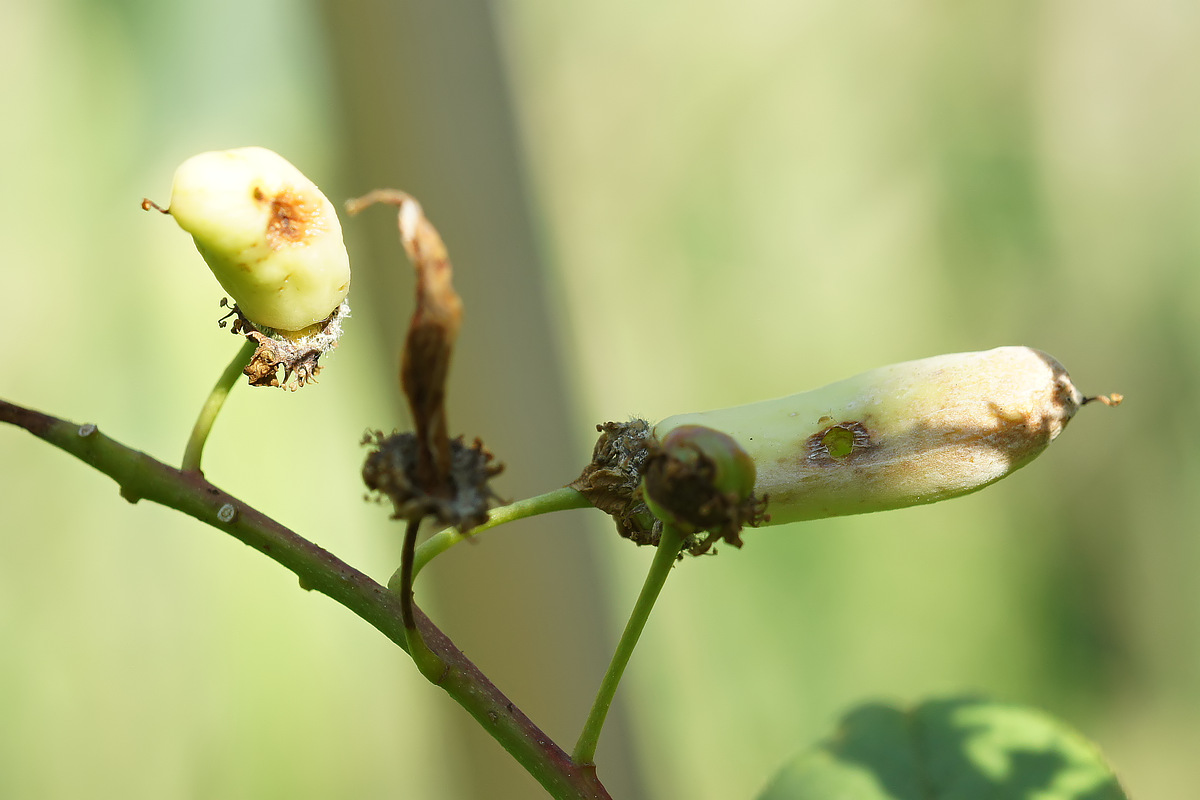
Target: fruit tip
x=1113 y=399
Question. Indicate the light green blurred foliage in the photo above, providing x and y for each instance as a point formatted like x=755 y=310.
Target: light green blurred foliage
x=751 y=199
x=740 y=200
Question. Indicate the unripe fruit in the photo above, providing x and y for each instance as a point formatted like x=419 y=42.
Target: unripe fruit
x=899 y=435
x=269 y=235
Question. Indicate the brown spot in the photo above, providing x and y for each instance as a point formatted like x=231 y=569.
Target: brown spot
x=837 y=443
x=293 y=219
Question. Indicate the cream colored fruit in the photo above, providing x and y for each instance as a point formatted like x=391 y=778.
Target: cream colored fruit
x=268 y=234
x=899 y=435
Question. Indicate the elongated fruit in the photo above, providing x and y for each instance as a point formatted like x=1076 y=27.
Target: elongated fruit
x=268 y=234
x=899 y=435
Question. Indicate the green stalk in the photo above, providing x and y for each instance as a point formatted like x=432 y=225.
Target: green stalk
x=212 y=407
x=555 y=500
x=664 y=558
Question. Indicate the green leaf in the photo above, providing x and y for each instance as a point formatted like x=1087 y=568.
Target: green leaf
x=953 y=749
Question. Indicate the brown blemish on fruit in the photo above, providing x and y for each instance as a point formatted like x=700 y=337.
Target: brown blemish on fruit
x=837 y=443
x=1017 y=433
x=293 y=219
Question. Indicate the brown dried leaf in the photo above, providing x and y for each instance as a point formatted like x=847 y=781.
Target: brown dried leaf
x=431 y=336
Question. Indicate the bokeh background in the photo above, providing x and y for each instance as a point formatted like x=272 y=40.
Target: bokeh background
x=653 y=207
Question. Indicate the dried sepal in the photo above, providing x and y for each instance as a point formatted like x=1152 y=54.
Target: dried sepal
x=611 y=481
x=296 y=354
x=390 y=470
x=702 y=482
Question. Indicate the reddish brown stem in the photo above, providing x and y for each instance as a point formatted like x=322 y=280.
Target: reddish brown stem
x=143 y=477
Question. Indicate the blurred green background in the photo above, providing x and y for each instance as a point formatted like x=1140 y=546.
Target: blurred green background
x=653 y=207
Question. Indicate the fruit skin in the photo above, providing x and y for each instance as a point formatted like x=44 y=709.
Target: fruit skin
x=900 y=435
x=268 y=234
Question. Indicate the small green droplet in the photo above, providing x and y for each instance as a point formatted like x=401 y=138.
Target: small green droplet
x=838 y=442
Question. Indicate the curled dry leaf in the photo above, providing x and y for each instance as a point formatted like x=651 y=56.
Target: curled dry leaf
x=425 y=472
x=431 y=335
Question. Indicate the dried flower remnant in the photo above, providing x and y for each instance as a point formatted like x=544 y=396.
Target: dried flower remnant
x=274 y=243
x=425 y=473
x=296 y=355
x=391 y=466
x=612 y=479
x=701 y=481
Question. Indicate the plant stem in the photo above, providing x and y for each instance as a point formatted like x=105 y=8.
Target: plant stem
x=406 y=575
x=142 y=477
x=212 y=407
x=426 y=660
x=554 y=500
x=664 y=558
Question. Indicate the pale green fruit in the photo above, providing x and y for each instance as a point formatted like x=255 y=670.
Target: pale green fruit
x=899 y=435
x=269 y=235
